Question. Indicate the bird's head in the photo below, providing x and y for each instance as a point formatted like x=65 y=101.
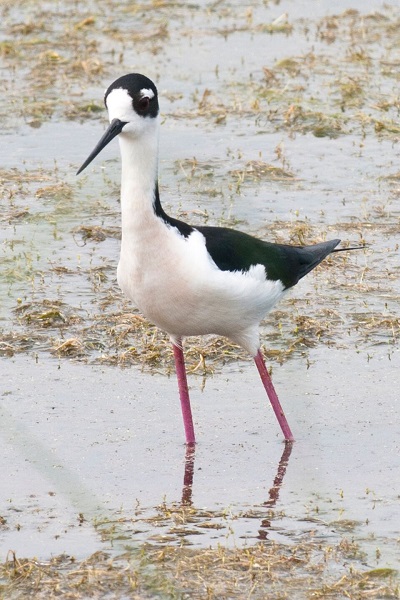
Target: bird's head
x=132 y=104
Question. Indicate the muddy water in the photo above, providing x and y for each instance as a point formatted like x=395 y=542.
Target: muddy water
x=84 y=443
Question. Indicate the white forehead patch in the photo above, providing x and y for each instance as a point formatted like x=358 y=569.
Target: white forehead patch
x=119 y=105
x=149 y=93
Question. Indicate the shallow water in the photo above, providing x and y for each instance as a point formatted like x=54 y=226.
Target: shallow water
x=115 y=453
x=106 y=443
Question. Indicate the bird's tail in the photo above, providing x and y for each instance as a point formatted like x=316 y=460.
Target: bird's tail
x=350 y=248
x=309 y=257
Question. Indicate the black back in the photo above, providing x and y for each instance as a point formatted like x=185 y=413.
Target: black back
x=233 y=250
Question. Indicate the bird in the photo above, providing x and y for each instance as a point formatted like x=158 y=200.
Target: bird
x=188 y=279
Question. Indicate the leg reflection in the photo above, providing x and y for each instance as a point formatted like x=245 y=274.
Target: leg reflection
x=282 y=466
x=188 y=475
x=276 y=488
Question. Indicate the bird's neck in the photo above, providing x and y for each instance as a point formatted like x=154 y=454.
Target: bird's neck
x=139 y=158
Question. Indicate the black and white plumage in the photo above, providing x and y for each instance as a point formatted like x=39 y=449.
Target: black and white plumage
x=190 y=280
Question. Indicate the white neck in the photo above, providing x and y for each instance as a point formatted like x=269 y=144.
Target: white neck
x=139 y=158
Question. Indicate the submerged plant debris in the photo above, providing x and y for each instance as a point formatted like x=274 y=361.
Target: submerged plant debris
x=304 y=571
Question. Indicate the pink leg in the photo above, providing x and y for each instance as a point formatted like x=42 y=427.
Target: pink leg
x=184 y=393
x=269 y=388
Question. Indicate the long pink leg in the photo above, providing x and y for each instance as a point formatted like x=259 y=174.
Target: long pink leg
x=183 y=392
x=273 y=398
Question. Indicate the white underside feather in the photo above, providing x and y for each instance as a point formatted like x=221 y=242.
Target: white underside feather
x=181 y=290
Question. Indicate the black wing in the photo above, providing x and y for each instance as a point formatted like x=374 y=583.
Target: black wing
x=233 y=250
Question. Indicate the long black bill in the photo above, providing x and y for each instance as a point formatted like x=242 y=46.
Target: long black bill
x=114 y=129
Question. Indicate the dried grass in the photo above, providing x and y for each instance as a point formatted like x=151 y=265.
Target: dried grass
x=302 y=571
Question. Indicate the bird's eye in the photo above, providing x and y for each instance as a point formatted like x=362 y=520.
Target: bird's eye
x=144 y=103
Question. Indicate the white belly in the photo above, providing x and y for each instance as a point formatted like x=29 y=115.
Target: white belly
x=178 y=288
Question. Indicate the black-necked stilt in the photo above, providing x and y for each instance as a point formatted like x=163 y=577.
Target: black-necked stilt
x=191 y=280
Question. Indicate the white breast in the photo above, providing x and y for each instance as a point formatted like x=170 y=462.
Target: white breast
x=176 y=285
